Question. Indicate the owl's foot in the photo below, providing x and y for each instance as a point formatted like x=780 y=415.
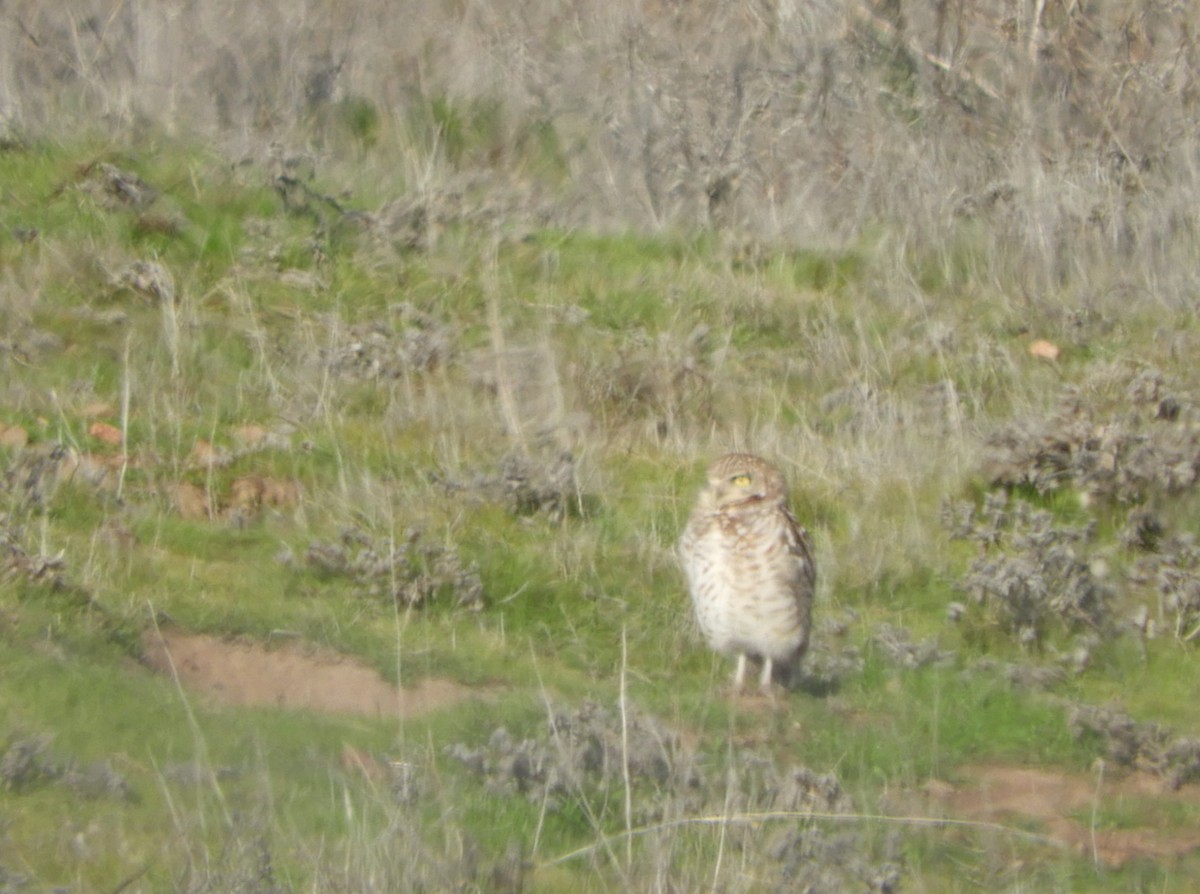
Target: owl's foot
x=766 y=678
x=767 y=687
x=739 y=675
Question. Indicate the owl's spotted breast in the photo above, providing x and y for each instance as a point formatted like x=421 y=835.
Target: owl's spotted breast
x=749 y=566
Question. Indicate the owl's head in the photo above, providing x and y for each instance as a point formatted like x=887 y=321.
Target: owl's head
x=741 y=478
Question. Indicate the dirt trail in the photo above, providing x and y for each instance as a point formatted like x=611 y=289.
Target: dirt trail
x=1062 y=803
x=291 y=676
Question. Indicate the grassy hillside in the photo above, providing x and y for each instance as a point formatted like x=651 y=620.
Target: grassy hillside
x=241 y=403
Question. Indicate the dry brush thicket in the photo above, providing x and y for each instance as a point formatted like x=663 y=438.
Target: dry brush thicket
x=1126 y=444
x=587 y=758
x=410 y=573
x=1068 y=128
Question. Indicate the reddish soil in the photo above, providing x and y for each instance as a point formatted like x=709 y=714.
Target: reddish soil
x=236 y=672
x=1062 y=804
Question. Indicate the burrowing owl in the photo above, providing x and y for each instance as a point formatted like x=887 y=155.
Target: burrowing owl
x=749 y=566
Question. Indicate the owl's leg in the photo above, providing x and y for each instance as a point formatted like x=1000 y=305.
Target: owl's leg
x=764 y=682
x=739 y=675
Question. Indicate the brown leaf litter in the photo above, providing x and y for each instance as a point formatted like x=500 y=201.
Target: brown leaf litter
x=109 y=434
x=246 y=499
x=13 y=436
x=191 y=501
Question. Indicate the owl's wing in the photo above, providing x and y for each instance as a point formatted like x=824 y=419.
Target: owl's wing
x=800 y=548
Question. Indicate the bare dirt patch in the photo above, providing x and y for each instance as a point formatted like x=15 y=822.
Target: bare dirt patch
x=1061 y=803
x=241 y=672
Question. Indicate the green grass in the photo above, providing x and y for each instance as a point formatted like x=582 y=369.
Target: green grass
x=807 y=360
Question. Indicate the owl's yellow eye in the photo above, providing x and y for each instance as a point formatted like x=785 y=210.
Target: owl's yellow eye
x=740 y=480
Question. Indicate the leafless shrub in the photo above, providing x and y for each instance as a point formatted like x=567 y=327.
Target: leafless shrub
x=408 y=342
x=1023 y=675
x=149 y=279
x=244 y=865
x=1142 y=531
x=1127 y=448
x=542 y=481
x=1128 y=438
x=195 y=774
x=1171 y=572
x=478 y=201
x=857 y=407
x=897 y=646
x=666 y=379
x=1064 y=127
x=13 y=882
x=412 y=572
x=814 y=859
x=32 y=475
x=581 y=752
x=114 y=188
x=1144 y=746
x=829 y=661
x=812 y=856
x=96 y=780
x=22 y=344
x=1032 y=573
x=27 y=763
x=529 y=486
x=584 y=755
x=26 y=488
x=16 y=564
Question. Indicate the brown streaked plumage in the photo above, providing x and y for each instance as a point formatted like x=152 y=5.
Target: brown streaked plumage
x=749 y=567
